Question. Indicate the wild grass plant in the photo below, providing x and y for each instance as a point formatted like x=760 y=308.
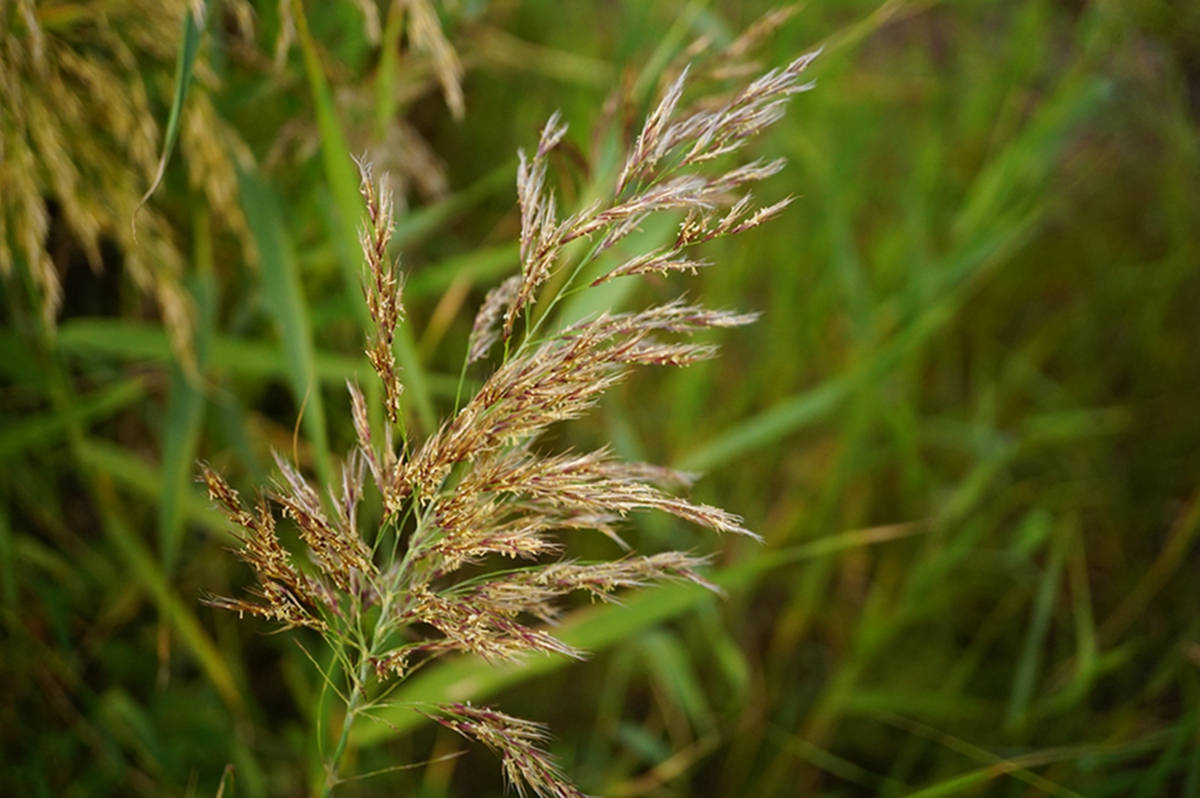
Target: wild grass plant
x=480 y=487
x=964 y=423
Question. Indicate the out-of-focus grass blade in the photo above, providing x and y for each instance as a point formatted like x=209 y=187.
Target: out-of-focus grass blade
x=424 y=221
x=592 y=629
x=144 y=569
x=497 y=48
x=1014 y=178
x=141 y=479
x=193 y=27
x=348 y=210
x=335 y=155
x=1172 y=556
x=284 y=298
x=1154 y=781
x=669 y=45
x=8 y=571
x=727 y=654
x=386 y=102
x=832 y=763
x=128 y=340
x=672 y=668
x=185 y=406
x=1035 y=638
x=476 y=266
x=125 y=719
x=19 y=365
x=40 y=430
x=1018 y=768
x=960 y=785
x=769 y=426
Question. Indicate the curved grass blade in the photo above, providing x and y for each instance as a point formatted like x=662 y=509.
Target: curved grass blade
x=185 y=407
x=193 y=27
x=42 y=429
x=285 y=302
x=139 y=478
x=154 y=581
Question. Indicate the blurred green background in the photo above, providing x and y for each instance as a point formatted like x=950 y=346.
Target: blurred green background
x=967 y=425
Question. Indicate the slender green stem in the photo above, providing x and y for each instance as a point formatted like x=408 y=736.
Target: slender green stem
x=334 y=761
x=358 y=691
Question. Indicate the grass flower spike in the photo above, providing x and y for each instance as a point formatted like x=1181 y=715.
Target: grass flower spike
x=479 y=491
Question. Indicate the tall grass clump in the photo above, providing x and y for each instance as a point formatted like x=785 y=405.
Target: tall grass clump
x=466 y=557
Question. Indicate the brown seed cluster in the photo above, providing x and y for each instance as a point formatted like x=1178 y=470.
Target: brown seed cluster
x=478 y=488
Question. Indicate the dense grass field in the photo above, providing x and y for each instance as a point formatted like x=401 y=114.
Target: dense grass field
x=967 y=424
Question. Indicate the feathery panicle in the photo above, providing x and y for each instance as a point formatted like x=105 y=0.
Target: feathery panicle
x=478 y=489
x=382 y=287
x=289 y=597
x=517 y=742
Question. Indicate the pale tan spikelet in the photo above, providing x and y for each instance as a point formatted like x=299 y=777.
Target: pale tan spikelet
x=747 y=114
x=541 y=235
x=381 y=464
x=393 y=663
x=648 y=151
x=279 y=605
x=760 y=216
x=534 y=590
x=485 y=332
x=674 y=316
x=594 y=482
x=518 y=744
x=346 y=505
x=656 y=262
x=525 y=537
